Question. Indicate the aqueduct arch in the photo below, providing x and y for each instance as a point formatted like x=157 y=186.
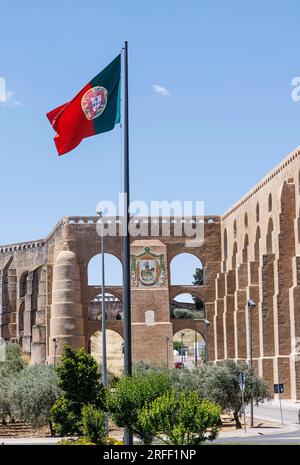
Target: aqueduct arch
x=251 y=251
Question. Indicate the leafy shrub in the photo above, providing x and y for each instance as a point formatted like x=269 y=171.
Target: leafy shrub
x=182 y=313
x=180 y=418
x=79 y=378
x=35 y=392
x=65 y=420
x=131 y=395
x=93 y=424
x=219 y=383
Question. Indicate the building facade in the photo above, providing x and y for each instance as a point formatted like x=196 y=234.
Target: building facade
x=250 y=252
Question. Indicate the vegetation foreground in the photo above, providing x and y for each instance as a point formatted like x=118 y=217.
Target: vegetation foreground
x=158 y=405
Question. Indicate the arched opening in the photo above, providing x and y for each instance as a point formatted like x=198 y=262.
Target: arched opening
x=21 y=323
x=234 y=228
x=256 y=244
x=186 y=269
x=257 y=212
x=270 y=203
x=188 y=348
x=187 y=306
x=23 y=285
x=269 y=238
x=113 y=307
x=234 y=254
x=245 y=249
x=225 y=249
x=114 y=351
x=113 y=270
x=246 y=220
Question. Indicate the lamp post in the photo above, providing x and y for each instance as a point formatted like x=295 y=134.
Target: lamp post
x=206 y=324
x=167 y=344
x=196 y=349
x=103 y=309
x=55 y=340
x=182 y=335
x=251 y=307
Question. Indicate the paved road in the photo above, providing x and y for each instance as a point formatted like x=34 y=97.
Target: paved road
x=272 y=413
x=271 y=439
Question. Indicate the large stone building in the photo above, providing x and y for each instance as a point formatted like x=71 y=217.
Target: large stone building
x=252 y=251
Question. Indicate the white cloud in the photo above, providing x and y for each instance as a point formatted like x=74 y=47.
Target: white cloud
x=161 y=90
x=7 y=96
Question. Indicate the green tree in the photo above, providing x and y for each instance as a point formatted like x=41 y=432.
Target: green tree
x=35 y=392
x=131 y=395
x=93 y=424
x=180 y=418
x=9 y=370
x=80 y=379
x=219 y=383
x=13 y=362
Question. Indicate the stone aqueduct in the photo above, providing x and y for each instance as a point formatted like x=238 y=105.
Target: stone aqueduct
x=252 y=251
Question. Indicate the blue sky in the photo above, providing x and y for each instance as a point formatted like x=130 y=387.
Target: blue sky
x=228 y=118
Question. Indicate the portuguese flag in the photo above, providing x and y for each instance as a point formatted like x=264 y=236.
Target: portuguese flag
x=95 y=109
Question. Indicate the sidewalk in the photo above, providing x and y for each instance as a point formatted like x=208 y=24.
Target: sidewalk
x=265 y=428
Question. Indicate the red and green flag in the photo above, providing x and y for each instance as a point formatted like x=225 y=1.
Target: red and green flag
x=95 y=109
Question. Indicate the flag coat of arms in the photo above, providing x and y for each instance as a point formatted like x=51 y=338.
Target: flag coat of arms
x=95 y=109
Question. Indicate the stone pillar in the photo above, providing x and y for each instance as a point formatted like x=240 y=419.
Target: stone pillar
x=12 y=303
x=66 y=320
x=229 y=313
x=4 y=314
x=219 y=316
x=38 y=346
x=152 y=332
x=240 y=314
x=26 y=345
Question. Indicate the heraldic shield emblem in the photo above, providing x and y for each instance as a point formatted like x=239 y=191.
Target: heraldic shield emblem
x=93 y=102
x=148 y=269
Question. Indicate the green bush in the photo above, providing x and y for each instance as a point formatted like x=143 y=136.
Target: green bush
x=35 y=392
x=131 y=395
x=180 y=418
x=93 y=424
x=79 y=378
x=9 y=371
x=219 y=383
x=65 y=419
x=182 y=313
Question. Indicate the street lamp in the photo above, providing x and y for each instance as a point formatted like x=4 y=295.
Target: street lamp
x=104 y=368
x=206 y=324
x=55 y=340
x=167 y=344
x=182 y=335
x=251 y=307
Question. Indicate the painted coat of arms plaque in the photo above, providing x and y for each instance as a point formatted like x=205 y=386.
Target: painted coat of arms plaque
x=148 y=269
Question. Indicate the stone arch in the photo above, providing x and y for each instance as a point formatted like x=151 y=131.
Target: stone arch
x=183 y=302
x=257 y=212
x=245 y=249
x=21 y=323
x=225 y=245
x=113 y=270
x=256 y=244
x=270 y=203
x=23 y=284
x=269 y=238
x=113 y=307
x=114 y=350
x=183 y=266
x=234 y=228
x=193 y=344
x=234 y=255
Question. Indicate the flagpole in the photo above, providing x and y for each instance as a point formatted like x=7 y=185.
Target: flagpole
x=128 y=438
